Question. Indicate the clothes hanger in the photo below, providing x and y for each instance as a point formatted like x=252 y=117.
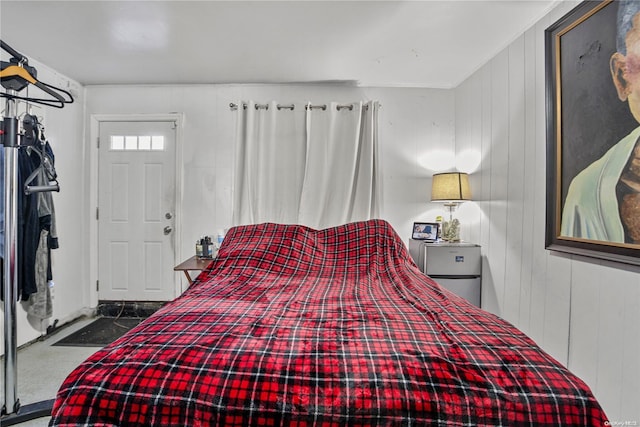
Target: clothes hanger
x=17 y=74
x=46 y=165
x=37 y=143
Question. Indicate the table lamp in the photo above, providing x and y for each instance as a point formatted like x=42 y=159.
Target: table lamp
x=452 y=188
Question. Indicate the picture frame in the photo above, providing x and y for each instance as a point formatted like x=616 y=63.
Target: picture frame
x=586 y=124
x=427 y=231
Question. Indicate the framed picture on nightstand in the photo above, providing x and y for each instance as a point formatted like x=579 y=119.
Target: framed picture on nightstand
x=427 y=231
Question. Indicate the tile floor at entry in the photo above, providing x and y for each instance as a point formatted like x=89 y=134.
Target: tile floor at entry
x=42 y=367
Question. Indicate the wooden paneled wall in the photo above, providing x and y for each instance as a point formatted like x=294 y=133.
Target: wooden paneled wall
x=584 y=312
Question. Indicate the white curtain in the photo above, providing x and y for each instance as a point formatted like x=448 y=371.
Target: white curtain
x=308 y=165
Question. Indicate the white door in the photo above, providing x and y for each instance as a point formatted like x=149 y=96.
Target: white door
x=136 y=211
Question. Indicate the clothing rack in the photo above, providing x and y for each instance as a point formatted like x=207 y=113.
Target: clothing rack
x=15 y=75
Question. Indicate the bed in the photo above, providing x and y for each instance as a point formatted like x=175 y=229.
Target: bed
x=292 y=326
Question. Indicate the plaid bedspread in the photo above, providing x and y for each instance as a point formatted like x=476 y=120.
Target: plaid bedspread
x=297 y=327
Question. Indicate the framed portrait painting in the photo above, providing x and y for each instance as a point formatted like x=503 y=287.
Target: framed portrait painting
x=593 y=126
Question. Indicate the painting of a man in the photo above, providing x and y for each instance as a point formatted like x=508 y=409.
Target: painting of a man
x=603 y=200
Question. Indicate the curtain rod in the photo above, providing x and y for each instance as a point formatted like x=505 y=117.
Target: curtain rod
x=233 y=106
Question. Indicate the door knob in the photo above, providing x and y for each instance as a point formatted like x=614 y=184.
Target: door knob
x=167 y=230
x=168 y=215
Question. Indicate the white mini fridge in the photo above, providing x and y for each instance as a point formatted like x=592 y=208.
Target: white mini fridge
x=455 y=266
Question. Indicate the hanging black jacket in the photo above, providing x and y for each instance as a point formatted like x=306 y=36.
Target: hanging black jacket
x=28 y=226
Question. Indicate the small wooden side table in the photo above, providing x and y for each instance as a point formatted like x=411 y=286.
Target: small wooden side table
x=194 y=263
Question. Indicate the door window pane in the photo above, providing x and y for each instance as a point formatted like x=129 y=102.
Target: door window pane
x=117 y=142
x=157 y=142
x=137 y=143
x=144 y=143
x=130 y=142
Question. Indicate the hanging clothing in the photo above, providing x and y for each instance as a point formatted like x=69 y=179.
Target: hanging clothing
x=35 y=211
x=36 y=215
x=41 y=303
x=39 y=270
x=28 y=227
x=45 y=199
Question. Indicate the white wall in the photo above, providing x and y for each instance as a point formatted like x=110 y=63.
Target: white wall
x=63 y=129
x=411 y=122
x=583 y=311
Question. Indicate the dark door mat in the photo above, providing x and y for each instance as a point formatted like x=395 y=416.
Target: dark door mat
x=100 y=332
x=128 y=308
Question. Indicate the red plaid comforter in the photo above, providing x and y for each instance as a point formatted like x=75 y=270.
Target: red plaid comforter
x=298 y=327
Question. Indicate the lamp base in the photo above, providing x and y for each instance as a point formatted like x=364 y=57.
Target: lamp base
x=451 y=230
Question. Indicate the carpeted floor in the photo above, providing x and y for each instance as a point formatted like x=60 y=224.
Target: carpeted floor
x=100 y=332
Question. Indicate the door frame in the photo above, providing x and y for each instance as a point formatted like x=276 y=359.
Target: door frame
x=94 y=131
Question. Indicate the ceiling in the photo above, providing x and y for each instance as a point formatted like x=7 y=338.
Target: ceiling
x=434 y=44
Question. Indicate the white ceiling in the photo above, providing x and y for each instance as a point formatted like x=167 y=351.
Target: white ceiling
x=434 y=44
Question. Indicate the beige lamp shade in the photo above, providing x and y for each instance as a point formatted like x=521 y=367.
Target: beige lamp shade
x=450 y=187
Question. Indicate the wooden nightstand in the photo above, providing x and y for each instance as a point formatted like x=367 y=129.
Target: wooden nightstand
x=194 y=263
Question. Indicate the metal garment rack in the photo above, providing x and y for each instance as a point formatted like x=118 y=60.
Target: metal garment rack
x=14 y=76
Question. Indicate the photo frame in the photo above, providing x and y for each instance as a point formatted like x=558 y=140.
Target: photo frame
x=425 y=231
x=590 y=127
